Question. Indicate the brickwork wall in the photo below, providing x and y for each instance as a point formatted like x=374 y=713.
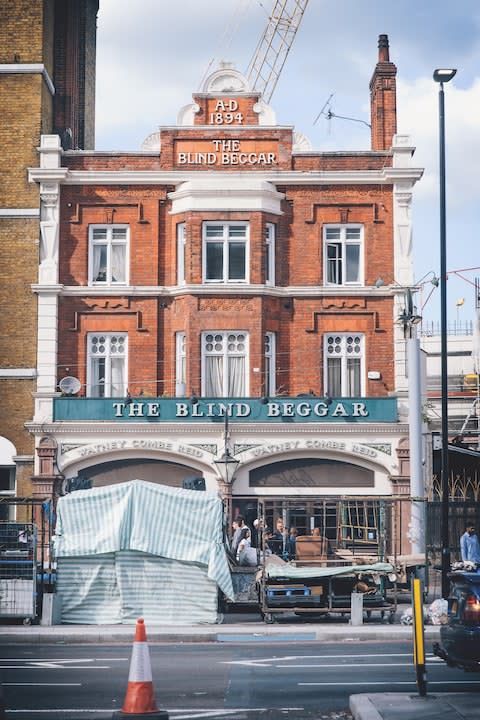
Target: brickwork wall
x=17 y=406
x=21 y=113
x=299 y=322
x=21 y=31
x=18 y=265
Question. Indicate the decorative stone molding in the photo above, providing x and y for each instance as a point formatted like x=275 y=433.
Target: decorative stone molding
x=49 y=214
x=47 y=454
x=226 y=80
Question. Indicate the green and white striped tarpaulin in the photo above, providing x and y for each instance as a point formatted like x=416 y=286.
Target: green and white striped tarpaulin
x=138 y=548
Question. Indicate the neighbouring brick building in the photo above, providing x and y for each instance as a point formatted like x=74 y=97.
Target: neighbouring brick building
x=214 y=297
x=47 y=84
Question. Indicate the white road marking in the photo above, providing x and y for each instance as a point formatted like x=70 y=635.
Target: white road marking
x=390 y=682
x=63 y=660
x=52 y=666
x=31 y=684
x=299 y=661
x=178 y=713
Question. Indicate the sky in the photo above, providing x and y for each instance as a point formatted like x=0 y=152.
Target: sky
x=151 y=60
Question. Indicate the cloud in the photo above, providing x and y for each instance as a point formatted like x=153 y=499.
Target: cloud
x=418 y=115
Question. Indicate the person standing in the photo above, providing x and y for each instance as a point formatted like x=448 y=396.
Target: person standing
x=292 y=540
x=470 y=545
x=278 y=540
x=238 y=525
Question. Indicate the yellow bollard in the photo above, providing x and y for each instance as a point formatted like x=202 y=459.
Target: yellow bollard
x=419 y=639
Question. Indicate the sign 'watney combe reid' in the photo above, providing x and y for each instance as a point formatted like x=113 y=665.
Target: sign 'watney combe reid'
x=245 y=410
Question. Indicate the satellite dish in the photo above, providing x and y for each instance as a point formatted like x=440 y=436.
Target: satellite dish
x=69 y=385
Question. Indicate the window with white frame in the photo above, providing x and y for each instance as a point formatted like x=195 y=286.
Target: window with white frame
x=225 y=253
x=180 y=364
x=270 y=254
x=270 y=383
x=107 y=365
x=344 y=364
x=181 y=236
x=108 y=253
x=224 y=364
x=343 y=254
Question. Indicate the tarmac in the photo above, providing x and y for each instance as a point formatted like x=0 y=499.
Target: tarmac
x=249 y=627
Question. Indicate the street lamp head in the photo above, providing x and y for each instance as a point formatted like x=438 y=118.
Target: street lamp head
x=227 y=466
x=443 y=75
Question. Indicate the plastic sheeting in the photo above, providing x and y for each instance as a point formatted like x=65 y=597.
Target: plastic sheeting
x=138 y=548
x=275 y=570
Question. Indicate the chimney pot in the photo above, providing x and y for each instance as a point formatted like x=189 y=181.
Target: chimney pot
x=383 y=53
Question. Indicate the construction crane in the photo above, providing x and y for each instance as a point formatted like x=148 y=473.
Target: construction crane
x=274 y=46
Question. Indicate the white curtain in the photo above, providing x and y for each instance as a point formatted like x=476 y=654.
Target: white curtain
x=214 y=376
x=96 y=261
x=334 y=377
x=118 y=263
x=236 y=376
x=97 y=388
x=117 y=377
x=353 y=377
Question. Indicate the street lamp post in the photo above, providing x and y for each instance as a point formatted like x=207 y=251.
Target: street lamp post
x=442 y=76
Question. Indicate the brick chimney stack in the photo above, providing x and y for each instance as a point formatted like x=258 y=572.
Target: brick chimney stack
x=383 y=98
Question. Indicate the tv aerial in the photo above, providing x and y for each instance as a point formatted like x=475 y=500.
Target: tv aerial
x=328 y=113
x=70 y=385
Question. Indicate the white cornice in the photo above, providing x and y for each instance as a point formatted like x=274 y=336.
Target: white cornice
x=29 y=68
x=19 y=212
x=48 y=175
x=212 y=194
x=44 y=289
x=377 y=430
x=17 y=373
x=291 y=291
x=384 y=176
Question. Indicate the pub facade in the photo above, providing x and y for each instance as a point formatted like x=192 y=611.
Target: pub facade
x=210 y=313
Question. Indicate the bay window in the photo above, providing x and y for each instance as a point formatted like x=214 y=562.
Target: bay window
x=270 y=385
x=180 y=364
x=106 y=365
x=108 y=253
x=181 y=253
x=344 y=364
x=224 y=364
x=270 y=254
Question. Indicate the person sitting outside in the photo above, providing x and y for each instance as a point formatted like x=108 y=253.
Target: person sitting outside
x=470 y=545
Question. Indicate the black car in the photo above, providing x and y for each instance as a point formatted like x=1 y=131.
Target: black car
x=460 y=639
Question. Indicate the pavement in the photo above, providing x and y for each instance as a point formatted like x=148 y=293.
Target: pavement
x=249 y=627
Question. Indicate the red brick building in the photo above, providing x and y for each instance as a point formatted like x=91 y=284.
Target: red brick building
x=217 y=292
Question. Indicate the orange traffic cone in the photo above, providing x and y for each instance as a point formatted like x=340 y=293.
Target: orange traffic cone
x=140 y=697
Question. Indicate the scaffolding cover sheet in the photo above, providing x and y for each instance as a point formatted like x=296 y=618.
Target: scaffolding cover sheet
x=120 y=587
x=170 y=523
x=276 y=570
